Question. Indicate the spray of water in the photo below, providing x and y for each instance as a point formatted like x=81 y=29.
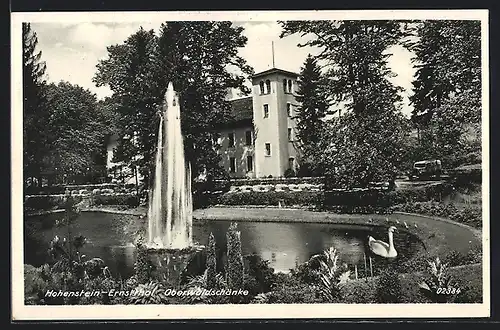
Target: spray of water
x=170 y=213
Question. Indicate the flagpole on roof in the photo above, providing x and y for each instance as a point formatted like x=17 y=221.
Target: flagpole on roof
x=272 y=48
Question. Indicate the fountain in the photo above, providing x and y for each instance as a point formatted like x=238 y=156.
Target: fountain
x=169 y=243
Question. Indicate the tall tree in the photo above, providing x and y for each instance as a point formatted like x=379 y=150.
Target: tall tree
x=75 y=129
x=447 y=59
x=447 y=90
x=199 y=58
x=35 y=114
x=313 y=105
x=366 y=144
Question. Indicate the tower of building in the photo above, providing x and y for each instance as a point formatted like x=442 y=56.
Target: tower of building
x=274 y=127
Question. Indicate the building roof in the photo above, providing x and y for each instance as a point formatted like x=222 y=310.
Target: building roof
x=242 y=109
x=274 y=70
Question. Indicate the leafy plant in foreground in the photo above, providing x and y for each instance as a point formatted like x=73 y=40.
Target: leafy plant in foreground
x=331 y=275
x=438 y=287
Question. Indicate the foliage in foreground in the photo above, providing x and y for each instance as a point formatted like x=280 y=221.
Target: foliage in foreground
x=438 y=287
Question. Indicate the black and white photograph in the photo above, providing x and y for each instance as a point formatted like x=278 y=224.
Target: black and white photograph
x=222 y=164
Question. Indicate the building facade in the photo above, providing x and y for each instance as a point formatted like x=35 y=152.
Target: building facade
x=260 y=142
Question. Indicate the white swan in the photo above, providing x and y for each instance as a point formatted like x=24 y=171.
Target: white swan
x=382 y=248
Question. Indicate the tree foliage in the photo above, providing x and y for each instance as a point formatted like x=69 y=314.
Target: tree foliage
x=35 y=114
x=447 y=59
x=199 y=58
x=75 y=129
x=453 y=133
x=366 y=144
x=313 y=105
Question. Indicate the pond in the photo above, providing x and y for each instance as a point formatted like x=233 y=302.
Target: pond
x=284 y=245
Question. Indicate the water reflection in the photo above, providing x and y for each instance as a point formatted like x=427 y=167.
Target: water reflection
x=284 y=244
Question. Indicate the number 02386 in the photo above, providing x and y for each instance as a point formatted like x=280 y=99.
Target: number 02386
x=448 y=291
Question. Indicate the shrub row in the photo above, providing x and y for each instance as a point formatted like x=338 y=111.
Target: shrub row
x=470 y=215
x=129 y=200
x=336 y=198
x=334 y=202
x=351 y=198
x=271 y=198
x=420 y=194
x=60 y=190
x=45 y=203
x=266 y=181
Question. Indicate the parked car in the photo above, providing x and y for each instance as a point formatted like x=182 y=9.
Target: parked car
x=426 y=169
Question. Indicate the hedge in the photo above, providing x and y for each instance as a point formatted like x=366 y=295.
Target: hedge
x=45 y=203
x=356 y=197
x=60 y=190
x=129 y=200
x=420 y=194
x=266 y=181
x=271 y=198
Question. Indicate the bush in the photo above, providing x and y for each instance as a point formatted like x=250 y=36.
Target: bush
x=358 y=197
x=45 y=203
x=143 y=266
x=235 y=268
x=35 y=283
x=289 y=173
x=306 y=273
x=262 y=274
x=129 y=200
x=389 y=287
x=455 y=258
x=420 y=194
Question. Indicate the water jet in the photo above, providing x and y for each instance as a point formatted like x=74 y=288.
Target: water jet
x=169 y=243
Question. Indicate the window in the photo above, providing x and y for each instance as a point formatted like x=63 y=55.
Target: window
x=290 y=138
x=266 y=110
x=291 y=161
x=249 y=163
x=268 y=149
x=261 y=87
x=289 y=86
x=232 y=164
x=288 y=109
x=284 y=85
x=268 y=86
x=231 y=140
x=248 y=138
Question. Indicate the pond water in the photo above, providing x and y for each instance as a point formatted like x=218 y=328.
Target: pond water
x=284 y=245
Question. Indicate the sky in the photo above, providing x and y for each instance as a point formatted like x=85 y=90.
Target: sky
x=72 y=50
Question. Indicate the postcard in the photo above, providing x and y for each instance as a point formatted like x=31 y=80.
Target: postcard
x=242 y=165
